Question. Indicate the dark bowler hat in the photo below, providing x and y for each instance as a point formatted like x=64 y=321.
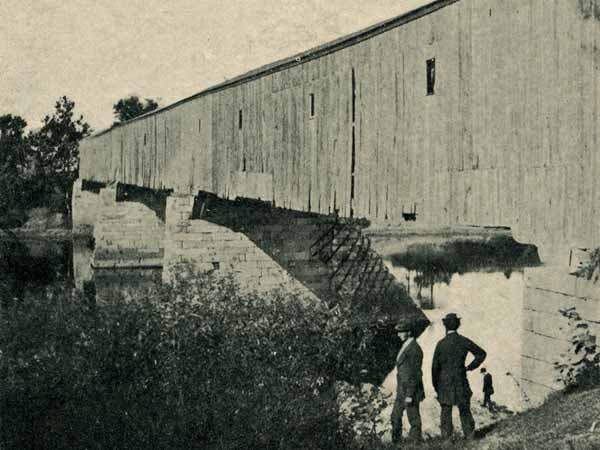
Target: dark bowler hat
x=451 y=319
x=404 y=325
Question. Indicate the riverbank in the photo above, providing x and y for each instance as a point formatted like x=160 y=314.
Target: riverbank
x=565 y=421
x=33 y=234
x=41 y=224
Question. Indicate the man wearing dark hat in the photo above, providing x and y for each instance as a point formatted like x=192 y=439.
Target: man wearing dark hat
x=409 y=390
x=449 y=375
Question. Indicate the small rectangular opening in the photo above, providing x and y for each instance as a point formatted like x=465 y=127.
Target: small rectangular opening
x=144 y=138
x=199 y=125
x=431 y=76
x=240 y=120
x=312 y=104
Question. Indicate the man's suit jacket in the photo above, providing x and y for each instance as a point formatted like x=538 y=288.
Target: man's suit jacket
x=448 y=371
x=410 y=374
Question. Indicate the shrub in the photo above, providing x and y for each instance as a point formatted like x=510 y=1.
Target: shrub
x=580 y=365
x=190 y=365
x=589 y=269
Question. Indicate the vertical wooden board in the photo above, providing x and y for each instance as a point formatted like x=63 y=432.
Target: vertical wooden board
x=267 y=124
x=377 y=175
x=194 y=143
x=138 y=131
x=409 y=88
x=551 y=84
x=143 y=140
x=261 y=111
x=217 y=142
x=347 y=146
x=569 y=118
x=210 y=144
x=298 y=148
x=464 y=101
x=367 y=149
x=423 y=29
x=323 y=143
x=287 y=145
x=168 y=151
x=451 y=113
x=332 y=122
x=291 y=146
x=257 y=134
x=251 y=131
x=242 y=134
x=595 y=158
x=531 y=67
x=360 y=171
x=402 y=120
x=128 y=155
x=235 y=137
x=480 y=74
x=149 y=153
x=387 y=123
x=587 y=101
x=278 y=175
x=397 y=149
x=304 y=126
x=170 y=160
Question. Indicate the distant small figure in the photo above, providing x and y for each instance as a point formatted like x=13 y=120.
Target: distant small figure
x=488 y=389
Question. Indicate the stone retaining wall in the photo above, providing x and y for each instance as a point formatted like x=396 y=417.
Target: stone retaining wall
x=545 y=337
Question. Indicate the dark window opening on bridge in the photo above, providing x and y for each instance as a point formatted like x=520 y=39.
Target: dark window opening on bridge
x=240 y=119
x=144 y=138
x=312 y=104
x=431 y=76
x=199 y=125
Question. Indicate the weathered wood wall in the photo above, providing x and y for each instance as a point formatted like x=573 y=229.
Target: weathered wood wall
x=509 y=138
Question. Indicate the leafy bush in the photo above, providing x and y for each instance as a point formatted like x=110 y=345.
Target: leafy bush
x=191 y=365
x=580 y=365
x=589 y=269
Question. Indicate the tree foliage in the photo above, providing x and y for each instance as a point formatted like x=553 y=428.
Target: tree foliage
x=13 y=157
x=54 y=151
x=130 y=107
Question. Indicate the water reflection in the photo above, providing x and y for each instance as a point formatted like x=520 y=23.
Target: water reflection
x=31 y=264
x=27 y=265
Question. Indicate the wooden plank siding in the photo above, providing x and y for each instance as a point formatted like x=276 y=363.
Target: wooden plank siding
x=508 y=139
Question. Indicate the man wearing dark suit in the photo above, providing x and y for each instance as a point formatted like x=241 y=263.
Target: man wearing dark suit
x=449 y=376
x=488 y=389
x=409 y=391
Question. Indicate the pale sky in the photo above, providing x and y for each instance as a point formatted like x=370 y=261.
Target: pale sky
x=98 y=51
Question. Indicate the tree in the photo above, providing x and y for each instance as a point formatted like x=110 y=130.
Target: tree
x=55 y=154
x=12 y=140
x=130 y=107
x=13 y=154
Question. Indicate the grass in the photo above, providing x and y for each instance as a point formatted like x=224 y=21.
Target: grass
x=562 y=423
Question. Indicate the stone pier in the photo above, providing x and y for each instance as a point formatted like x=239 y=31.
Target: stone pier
x=548 y=290
x=201 y=246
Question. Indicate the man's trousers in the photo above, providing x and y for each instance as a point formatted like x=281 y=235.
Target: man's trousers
x=466 y=419
x=414 y=419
